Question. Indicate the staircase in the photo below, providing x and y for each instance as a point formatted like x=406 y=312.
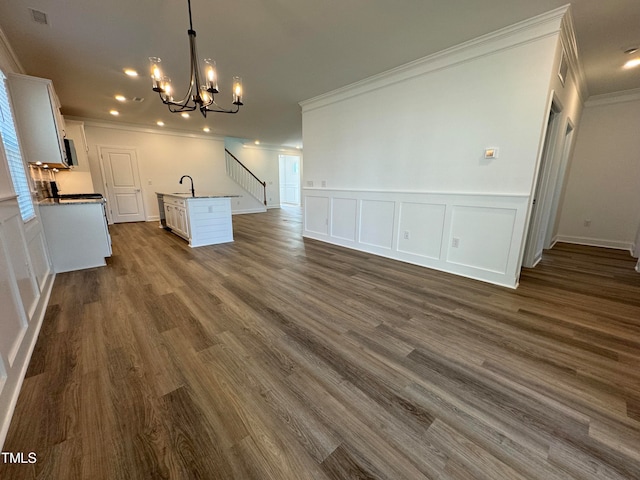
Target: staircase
x=245 y=177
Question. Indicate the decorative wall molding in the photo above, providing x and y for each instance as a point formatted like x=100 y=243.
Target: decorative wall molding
x=535 y=28
x=466 y=234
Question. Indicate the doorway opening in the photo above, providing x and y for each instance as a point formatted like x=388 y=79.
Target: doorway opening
x=289 y=179
x=558 y=188
x=543 y=192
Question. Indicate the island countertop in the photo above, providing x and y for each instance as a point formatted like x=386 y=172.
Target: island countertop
x=187 y=195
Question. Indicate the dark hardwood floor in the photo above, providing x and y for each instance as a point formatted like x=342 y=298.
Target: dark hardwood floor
x=281 y=358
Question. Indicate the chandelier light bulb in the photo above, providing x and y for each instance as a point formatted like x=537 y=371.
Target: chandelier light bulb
x=165 y=89
x=237 y=91
x=156 y=73
x=211 y=75
x=205 y=96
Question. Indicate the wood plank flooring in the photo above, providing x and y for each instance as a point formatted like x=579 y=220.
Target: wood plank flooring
x=281 y=358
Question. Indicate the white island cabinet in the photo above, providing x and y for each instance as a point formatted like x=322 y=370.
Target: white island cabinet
x=201 y=220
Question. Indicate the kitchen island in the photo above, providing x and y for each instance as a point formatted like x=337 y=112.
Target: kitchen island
x=201 y=219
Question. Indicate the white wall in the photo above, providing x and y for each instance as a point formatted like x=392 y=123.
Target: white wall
x=422 y=130
x=163 y=157
x=604 y=178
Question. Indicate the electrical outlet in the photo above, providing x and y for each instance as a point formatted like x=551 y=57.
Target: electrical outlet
x=455 y=243
x=406 y=234
x=149 y=182
x=587 y=223
x=309 y=183
x=324 y=183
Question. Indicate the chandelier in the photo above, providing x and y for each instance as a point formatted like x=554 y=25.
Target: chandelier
x=199 y=95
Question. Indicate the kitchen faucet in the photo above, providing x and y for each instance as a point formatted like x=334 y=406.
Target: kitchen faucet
x=193 y=192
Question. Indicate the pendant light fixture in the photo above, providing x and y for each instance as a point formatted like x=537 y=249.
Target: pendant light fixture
x=199 y=96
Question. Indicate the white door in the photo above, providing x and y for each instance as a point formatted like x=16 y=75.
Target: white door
x=122 y=183
x=290 y=179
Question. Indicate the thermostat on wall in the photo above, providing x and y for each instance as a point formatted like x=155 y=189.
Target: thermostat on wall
x=491 y=153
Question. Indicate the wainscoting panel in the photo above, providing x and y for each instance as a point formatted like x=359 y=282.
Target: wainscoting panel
x=316 y=215
x=376 y=223
x=344 y=218
x=421 y=227
x=479 y=236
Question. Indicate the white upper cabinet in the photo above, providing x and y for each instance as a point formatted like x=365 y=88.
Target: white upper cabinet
x=39 y=122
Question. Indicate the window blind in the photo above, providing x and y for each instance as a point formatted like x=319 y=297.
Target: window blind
x=14 y=156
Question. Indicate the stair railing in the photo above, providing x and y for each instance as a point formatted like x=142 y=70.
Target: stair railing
x=245 y=178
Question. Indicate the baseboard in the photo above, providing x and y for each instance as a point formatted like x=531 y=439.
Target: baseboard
x=11 y=389
x=595 y=242
x=248 y=210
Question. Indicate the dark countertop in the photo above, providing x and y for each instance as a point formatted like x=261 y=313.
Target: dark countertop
x=47 y=202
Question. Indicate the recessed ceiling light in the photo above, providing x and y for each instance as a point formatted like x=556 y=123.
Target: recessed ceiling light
x=185 y=115
x=206 y=129
x=632 y=63
x=131 y=72
x=160 y=123
x=120 y=98
x=298 y=147
x=114 y=112
x=257 y=142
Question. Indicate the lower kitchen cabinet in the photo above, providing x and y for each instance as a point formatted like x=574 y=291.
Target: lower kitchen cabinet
x=77 y=234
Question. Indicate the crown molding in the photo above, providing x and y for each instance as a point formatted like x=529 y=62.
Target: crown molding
x=137 y=128
x=527 y=31
x=614 y=97
x=8 y=59
x=570 y=48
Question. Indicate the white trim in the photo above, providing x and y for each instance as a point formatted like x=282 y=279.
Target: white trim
x=14 y=65
x=520 y=33
x=570 y=48
x=248 y=210
x=273 y=148
x=129 y=127
x=411 y=192
x=595 y=242
x=615 y=97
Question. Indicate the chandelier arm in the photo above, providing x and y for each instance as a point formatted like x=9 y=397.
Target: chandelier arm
x=219 y=109
x=195 y=73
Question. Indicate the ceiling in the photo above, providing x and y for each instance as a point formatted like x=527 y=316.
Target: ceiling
x=285 y=51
